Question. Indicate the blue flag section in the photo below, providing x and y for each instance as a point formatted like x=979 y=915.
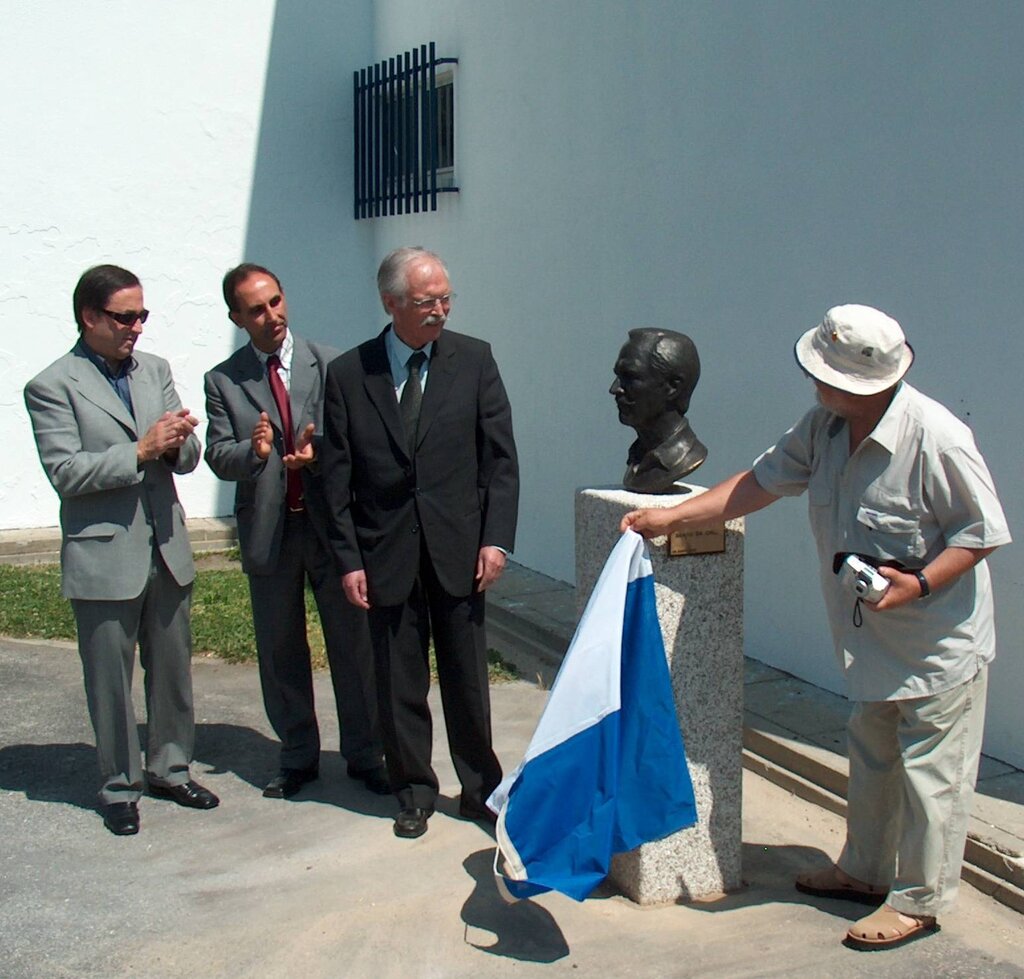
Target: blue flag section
x=606 y=769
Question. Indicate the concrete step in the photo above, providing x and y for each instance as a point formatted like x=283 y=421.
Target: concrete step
x=41 y=545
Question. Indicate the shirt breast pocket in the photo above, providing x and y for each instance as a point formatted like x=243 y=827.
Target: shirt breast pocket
x=894 y=535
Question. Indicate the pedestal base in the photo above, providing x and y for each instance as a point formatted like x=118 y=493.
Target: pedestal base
x=700 y=608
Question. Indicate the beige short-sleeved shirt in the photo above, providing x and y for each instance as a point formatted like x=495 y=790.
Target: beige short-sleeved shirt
x=916 y=485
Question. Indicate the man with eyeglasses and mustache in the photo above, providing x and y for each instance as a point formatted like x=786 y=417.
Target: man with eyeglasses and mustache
x=422 y=486
x=111 y=434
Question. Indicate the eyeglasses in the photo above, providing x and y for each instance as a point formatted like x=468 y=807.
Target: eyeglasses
x=432 y=301
x=128 y=318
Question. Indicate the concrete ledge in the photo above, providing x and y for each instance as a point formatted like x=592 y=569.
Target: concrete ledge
x=41 y=545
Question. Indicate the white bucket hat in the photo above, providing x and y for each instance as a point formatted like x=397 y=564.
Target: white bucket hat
x=857 y=349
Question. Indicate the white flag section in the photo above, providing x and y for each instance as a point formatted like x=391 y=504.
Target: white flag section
x=606 y=768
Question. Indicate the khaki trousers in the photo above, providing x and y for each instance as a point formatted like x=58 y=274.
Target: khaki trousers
x=913 y=765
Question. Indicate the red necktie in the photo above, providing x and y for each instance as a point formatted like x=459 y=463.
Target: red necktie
x=293 y=492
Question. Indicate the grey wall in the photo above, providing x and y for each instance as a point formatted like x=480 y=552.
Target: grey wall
x=731 y=170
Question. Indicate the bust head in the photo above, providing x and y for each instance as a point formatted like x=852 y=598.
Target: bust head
x=655 y=376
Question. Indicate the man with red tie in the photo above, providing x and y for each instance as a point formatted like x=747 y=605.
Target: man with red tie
x=265 y=409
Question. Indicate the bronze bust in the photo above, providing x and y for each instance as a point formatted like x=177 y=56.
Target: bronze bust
x=655 y=375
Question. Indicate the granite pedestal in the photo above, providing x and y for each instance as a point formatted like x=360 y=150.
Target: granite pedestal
x=700 y=608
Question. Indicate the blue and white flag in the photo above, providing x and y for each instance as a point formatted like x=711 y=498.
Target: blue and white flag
x=606 y=768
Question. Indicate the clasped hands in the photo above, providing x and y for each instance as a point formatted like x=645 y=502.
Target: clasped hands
x=263 y=442
x=166 y=435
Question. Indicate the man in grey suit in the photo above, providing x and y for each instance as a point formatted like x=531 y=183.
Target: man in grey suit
x=265 y=410
x=111 y=434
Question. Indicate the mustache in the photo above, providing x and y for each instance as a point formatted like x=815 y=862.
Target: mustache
x=434 y=320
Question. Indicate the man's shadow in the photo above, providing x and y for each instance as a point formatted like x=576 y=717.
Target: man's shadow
x=523 y=931
x=68 y=774
x=51 y=772
x=769 y=872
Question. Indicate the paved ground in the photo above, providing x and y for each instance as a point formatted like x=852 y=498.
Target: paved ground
x=319 y=886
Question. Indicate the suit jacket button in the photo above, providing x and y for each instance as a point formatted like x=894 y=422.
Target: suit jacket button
x=416 y=529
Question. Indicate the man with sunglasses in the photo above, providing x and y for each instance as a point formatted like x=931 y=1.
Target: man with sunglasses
x=894 y=477
x=265 y=410
x=422 y=481
x=111 y=434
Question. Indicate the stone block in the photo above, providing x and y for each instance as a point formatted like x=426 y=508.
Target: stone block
x=700 y=608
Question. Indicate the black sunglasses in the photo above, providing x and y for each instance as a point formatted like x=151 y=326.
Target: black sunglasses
x=129 y=318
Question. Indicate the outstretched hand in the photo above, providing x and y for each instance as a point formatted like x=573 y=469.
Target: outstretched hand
x=647 y=523
x=304 y=452
x=263 y=437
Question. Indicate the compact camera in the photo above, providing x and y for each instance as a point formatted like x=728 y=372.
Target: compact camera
x=864 y=579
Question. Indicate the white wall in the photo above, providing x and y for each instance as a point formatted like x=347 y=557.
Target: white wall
x=731 y=170
x=175 y=140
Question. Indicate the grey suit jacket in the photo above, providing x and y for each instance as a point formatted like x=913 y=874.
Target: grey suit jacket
x=237 y=390
x=111 y=509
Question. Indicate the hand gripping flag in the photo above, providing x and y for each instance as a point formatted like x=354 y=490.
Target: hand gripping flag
x=606 y=768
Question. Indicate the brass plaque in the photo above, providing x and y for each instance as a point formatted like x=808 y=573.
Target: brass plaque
x=710 y=540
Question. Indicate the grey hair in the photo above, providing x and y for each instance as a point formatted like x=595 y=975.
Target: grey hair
x=391 y=276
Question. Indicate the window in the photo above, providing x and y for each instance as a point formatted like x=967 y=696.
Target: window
x=404 y=133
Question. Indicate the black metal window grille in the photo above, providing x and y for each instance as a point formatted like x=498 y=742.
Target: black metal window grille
x=404 y=134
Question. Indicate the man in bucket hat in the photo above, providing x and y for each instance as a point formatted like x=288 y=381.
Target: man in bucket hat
x=896 y=480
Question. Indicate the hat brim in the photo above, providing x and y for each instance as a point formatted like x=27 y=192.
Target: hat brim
x=811 y=360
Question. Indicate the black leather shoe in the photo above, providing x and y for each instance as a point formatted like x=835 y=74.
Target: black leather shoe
x=121 y=818
x=189 y=794
x=288 y=781
x=375 y=779
x=410 y=823
x=480 y=814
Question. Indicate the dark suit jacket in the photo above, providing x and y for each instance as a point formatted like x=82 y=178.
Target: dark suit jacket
x=459 y=492
x=111 y=509
x=236 y=392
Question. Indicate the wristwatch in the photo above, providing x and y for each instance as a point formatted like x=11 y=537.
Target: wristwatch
x=923 y=582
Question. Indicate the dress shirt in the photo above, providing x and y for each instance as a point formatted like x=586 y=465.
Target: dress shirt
x=398 y=360
x=118 y=381
x=284 y=354
x=915 y=486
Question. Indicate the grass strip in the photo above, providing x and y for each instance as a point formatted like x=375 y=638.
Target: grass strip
x=33 y=608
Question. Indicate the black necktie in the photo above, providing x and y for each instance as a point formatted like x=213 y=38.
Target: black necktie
x=412 y=398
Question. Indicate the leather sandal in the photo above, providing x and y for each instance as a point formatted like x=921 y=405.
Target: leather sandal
x=888 y=928
x=827 y=883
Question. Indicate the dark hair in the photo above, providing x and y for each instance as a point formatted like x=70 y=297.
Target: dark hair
x=236 y=276
x=673 y=357
x=97 y=285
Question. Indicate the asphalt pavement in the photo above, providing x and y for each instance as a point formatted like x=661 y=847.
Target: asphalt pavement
x=318 y=886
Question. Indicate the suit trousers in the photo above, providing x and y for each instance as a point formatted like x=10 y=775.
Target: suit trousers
x=158 y=620
x=286 y=676
x=401 y=642
x=913 y=765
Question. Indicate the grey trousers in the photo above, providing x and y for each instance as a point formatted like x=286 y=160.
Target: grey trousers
x=913 y=765
x=158 y=621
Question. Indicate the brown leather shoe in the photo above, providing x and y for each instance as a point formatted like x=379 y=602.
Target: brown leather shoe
x=888 y=928
x=828 y=883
